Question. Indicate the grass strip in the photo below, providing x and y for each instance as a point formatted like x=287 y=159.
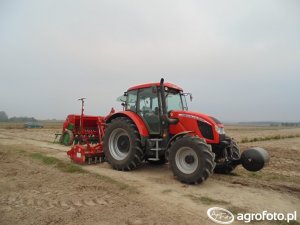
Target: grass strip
x=269 y=138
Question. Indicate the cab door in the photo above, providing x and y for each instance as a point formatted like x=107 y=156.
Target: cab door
x=148 y=108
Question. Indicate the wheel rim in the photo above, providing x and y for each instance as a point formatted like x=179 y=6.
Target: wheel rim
x=119 y=144
x=186 y=160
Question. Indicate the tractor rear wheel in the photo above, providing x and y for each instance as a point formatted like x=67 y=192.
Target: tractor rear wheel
x=67 y=138
x=122 y=144
x=191 y=159
x=227 y=167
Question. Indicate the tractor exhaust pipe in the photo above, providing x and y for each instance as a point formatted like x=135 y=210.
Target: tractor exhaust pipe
x=164 y=105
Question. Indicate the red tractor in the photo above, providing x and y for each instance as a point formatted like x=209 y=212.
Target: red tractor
x=156 y=126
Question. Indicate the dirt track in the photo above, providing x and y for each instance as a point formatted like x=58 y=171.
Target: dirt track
x=34 y=193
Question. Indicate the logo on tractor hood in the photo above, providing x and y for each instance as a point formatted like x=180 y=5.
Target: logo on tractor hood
x=220 y=215
x=193 y=117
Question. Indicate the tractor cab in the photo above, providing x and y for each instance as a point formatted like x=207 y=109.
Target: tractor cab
x=146 y=101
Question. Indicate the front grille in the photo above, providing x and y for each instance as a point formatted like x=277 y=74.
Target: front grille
x=222 y=137
x=206 y=130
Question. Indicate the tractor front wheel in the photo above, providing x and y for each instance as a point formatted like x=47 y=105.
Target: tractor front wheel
x=191 y=159
x=122 y=144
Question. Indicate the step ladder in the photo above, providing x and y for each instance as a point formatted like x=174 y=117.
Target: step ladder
x=156 y=148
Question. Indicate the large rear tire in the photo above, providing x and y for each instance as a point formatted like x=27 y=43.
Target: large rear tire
x=191 y=159
x=122 y=144
x=227 y=167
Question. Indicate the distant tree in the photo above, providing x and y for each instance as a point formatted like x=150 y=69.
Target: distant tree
x=22 y=119
x=290 y=124
x=3 y=116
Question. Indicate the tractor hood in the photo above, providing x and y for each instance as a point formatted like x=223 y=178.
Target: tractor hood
x=201 y=124
x=197 y=116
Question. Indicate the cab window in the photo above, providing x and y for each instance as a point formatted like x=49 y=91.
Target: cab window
x=148 y=108
x=131 y=100
x=173 y=101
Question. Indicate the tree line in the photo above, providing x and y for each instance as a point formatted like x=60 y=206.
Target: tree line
x=4 y=118
x=285 y=124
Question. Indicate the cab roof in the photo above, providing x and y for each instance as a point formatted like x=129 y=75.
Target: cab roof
x=169 y=85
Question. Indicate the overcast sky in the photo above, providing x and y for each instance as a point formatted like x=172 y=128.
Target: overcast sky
x=240 y=59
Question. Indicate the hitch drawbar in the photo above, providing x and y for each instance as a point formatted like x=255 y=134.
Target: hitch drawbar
x=253 y=159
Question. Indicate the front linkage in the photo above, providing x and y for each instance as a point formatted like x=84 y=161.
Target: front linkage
x=228 y=156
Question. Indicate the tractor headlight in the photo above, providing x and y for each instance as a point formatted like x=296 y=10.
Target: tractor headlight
x=220 y=130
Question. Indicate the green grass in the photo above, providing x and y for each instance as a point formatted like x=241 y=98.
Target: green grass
x=119 y=184
x=62 y=166
x=206 y=200
x=45 y=159
x=70 y=168
x=269 y=138
x=74 y=168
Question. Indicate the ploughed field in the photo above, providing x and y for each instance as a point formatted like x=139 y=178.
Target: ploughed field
x=39 y=185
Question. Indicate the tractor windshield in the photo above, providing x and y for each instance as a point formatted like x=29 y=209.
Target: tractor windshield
x=175 y=100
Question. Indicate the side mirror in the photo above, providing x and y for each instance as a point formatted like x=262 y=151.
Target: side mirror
x=190 y=94
x=121 y=98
